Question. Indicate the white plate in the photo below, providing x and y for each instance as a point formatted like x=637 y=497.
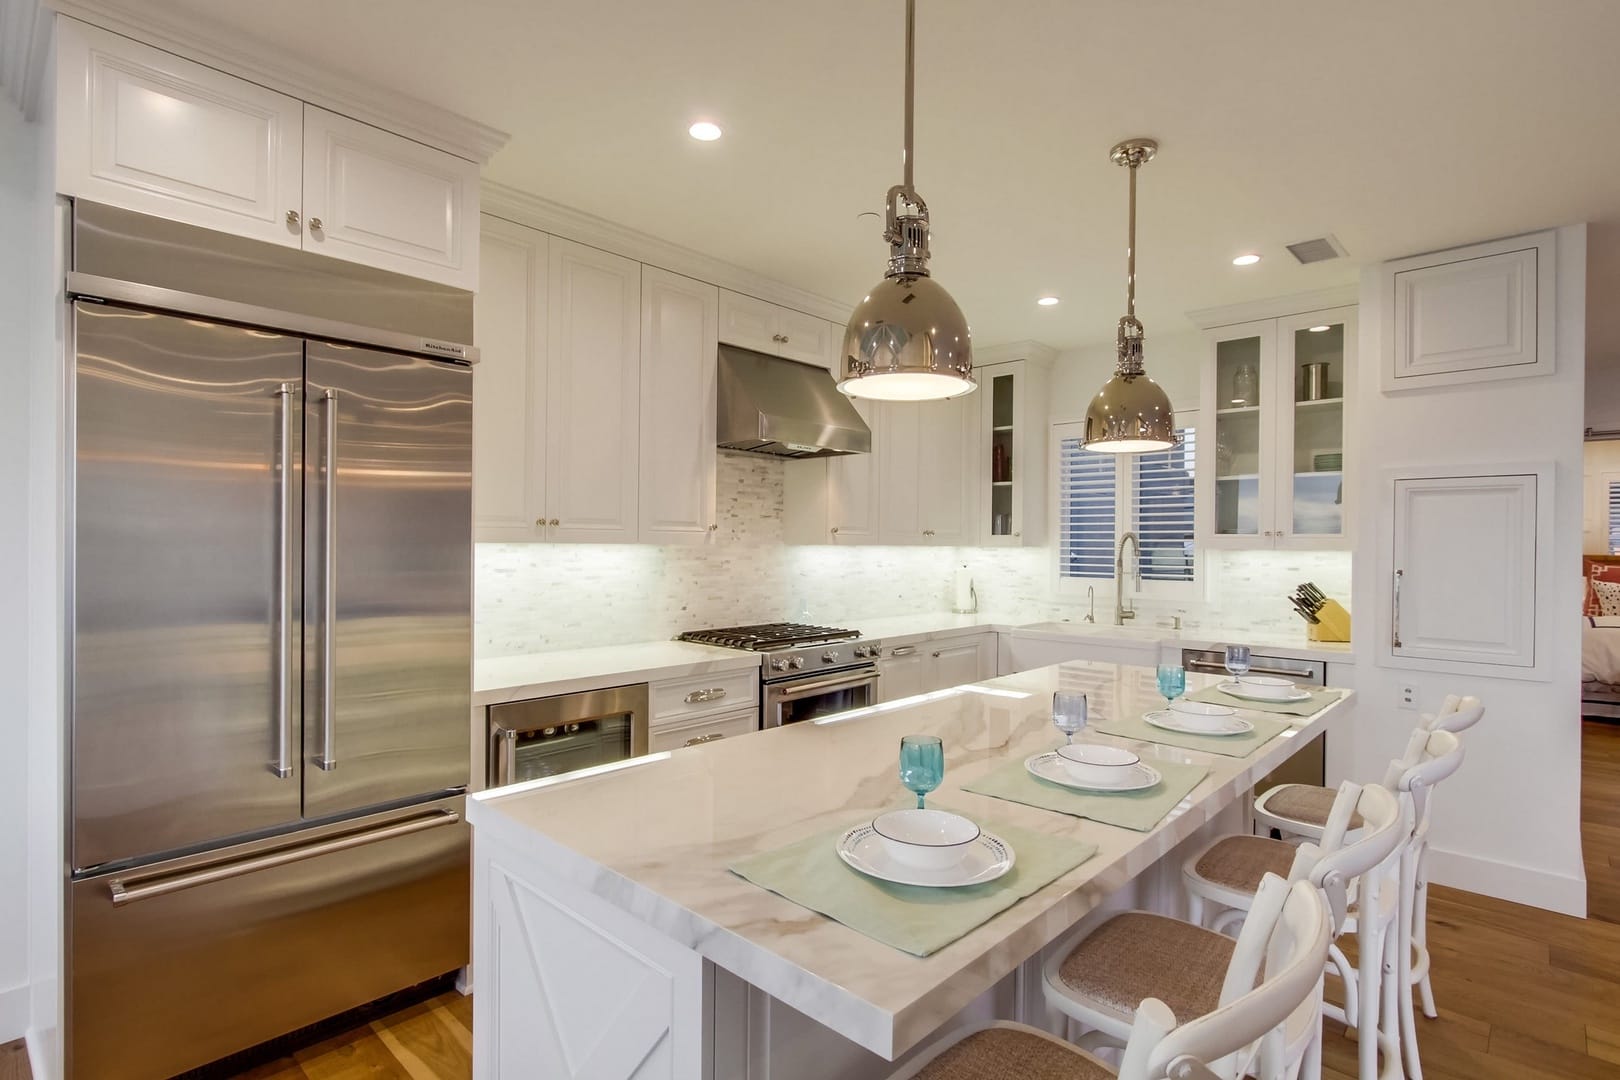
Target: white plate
x=1201 y=708
x=1208 y=725
x=987 y=858
x=1050 y=767
x=1240 y=690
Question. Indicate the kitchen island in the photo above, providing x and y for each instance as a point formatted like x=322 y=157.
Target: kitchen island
x=612 y=940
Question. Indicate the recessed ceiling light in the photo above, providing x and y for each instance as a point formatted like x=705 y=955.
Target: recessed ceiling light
x=704 y=131
x=1047 y=301
x=1246 y=260
x=1319 y=329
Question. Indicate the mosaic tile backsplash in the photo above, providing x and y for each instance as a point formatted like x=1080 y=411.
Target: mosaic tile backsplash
x=540 y=597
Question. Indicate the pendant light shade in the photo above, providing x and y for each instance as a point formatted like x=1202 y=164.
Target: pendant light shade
x=907 y=341
x=1131 y=414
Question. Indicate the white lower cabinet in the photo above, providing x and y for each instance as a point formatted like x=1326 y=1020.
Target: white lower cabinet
x=707 y=729
x=920 y=666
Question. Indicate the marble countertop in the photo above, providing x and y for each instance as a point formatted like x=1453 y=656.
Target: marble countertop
x=513 y=678
x=655 y=836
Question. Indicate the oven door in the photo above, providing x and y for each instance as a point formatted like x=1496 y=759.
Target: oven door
x=793 y=701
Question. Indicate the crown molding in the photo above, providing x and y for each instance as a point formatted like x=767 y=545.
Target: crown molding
x=25 y=37
x=1276 y=307
x=537 y=212
x=215 y=45
x=1013 y=350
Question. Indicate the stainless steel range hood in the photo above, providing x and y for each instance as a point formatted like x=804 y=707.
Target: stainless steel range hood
x=769 y=405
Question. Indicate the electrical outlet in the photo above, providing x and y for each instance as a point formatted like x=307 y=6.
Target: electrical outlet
x=1407 y=698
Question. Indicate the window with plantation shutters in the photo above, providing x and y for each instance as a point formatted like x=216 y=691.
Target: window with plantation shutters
x=1087 y=496
x=1162 y=510
x=1614 y=517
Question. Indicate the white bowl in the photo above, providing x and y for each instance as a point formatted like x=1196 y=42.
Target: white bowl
x=1202 y=715
x=1267 y=686
x=1093 y=764
x=926 y=839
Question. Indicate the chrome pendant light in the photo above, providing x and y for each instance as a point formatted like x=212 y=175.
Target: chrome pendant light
x=1131 y=414
x=907 y=341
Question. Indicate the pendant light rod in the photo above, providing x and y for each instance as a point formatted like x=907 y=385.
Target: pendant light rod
x=911 y=92
x=1130 y=249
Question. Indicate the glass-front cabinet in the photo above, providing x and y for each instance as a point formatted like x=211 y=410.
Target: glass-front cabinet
x=1276 y=476
x=1011 y=502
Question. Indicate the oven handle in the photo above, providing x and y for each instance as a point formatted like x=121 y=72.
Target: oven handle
x=1220 y=669
x=858 y=679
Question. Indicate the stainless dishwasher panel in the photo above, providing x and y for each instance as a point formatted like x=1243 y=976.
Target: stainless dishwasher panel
x=177 y=964
x=1309 y=764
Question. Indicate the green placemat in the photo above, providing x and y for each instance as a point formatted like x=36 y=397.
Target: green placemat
x=1134 y=727
x=1319 y=700
x=910 y=918
x=1139 y=810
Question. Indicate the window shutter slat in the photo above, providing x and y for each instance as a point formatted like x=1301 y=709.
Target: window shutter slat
x=1086 y=489
x=1162 y=506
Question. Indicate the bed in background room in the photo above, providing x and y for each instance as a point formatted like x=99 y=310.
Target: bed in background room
x=1600 y=637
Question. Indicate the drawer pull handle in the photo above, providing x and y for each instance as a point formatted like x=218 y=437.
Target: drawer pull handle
x=903 y=650
x=714 y=693
x=713 y=736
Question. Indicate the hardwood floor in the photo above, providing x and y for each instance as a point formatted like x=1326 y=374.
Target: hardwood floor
x=1524 y=994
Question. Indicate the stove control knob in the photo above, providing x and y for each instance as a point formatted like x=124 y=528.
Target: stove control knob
x=829 y=657
x=779 y=665
x=796 y=663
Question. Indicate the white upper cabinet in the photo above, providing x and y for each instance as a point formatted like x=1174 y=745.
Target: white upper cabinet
x=145 y=130
x=1464 y=572
x=769 y=328
x=509 y=384
x=374 y=198
x=1010 y=450
x=945 y=462
x=593 y=354
x=679 y=323
x=852 y=488
x=898 y=450
x=1481 y=312
x=1271 y=436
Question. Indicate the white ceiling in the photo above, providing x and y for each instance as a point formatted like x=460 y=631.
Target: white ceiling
x=1397 y=125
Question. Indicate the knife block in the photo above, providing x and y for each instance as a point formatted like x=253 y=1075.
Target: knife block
x=1333 y=623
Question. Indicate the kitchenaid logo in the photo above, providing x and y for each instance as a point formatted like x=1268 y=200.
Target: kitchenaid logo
x=444 y=350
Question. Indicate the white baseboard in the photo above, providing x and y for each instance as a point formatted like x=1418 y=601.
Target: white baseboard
x=14 y=1012
x=1505 y=881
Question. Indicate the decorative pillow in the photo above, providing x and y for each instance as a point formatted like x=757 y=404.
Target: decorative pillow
x=1608 y=596
x=1598 y=572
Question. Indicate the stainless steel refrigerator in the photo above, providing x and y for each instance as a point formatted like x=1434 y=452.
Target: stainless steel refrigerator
x=270 y=598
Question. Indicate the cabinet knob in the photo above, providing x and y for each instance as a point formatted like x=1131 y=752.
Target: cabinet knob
x=540 y=523
x=835 y=530
x=714 y=528
x=784 y=339
x=1017 y=534
x=315 y=224
x=555 y=521
x=292 y=218
x=936 y=656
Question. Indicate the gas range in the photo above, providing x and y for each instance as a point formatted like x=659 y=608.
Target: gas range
x=794 y=650
x=808 y=671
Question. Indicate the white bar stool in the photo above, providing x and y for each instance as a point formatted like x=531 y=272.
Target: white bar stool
x=1105 y=977
x=1226 y=873
x=1291 y=947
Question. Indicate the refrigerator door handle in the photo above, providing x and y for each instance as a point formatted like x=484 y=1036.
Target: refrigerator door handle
x=283 y=767
x=327 y=758
x=124 y=893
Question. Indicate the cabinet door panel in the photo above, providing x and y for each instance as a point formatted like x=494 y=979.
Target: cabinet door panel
x=853 y=485
x=1480 y=312
x=747 y=322
x=1464 y=584
x=944 y=460
x=374 y=197
x=899 y=460
x=804 y=337
x=678 y=326
x=147 y=131
x=593 y=397
x=906 y=672
x=958 y=661
x=509 y=399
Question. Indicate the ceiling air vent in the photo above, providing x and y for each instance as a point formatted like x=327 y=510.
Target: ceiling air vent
x=1321 y=249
